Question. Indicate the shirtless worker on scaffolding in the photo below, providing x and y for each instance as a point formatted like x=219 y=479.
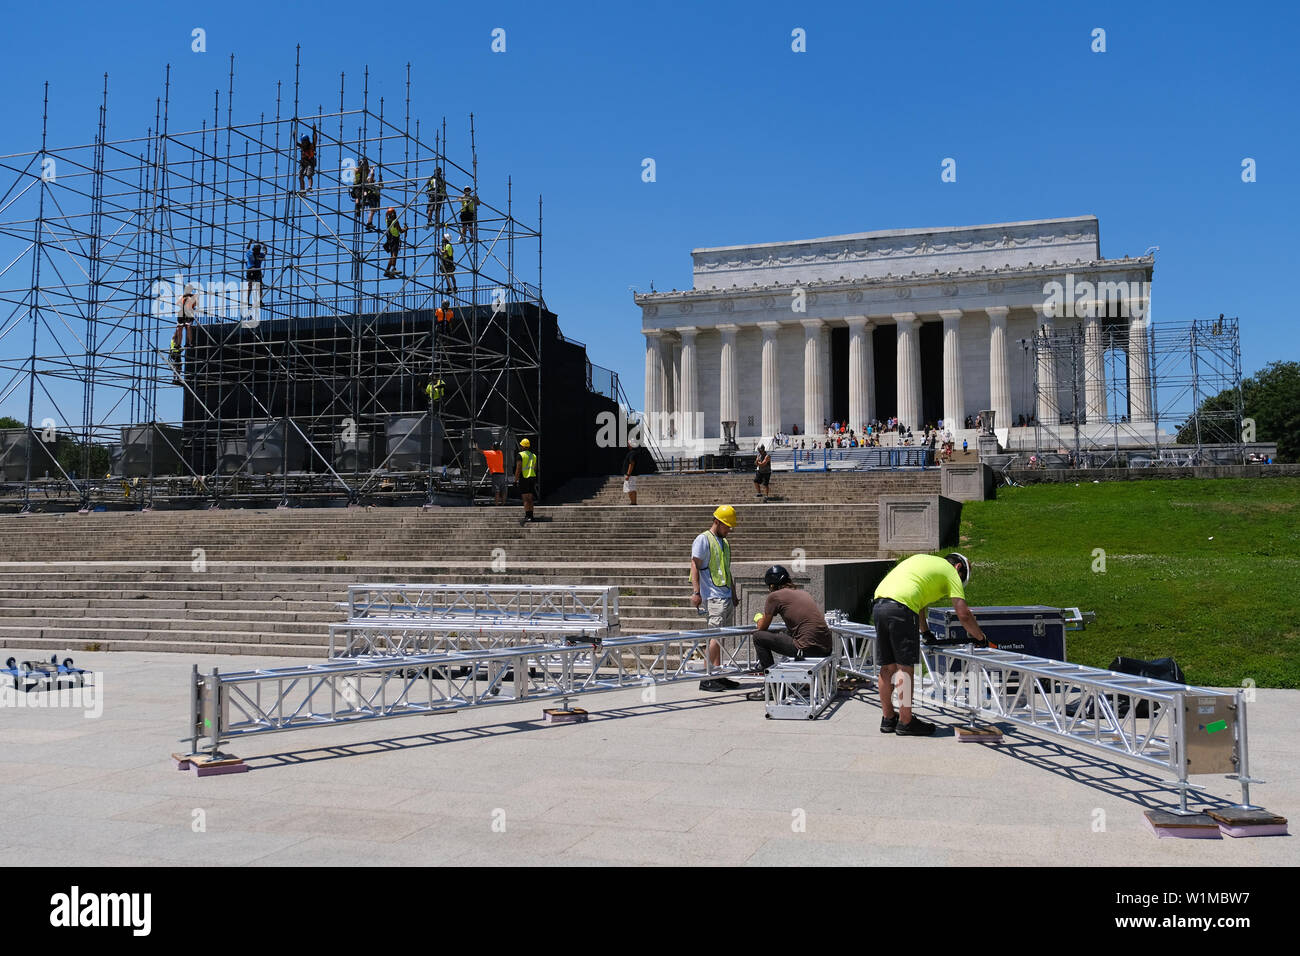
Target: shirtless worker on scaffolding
x=186 y=309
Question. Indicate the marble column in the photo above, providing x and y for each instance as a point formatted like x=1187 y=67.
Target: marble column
x=814 y=408
x=1094 y=371
x=999 y=374
x=861 y=375
x=688 y=404
x=909 y=371
x=954 y=398
x=728 y=384
x=654 y=382
x=771 y=401
x=674 y=378
x=1048 y=410
x=1139 y=369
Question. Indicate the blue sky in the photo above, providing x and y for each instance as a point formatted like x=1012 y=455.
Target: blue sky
x=753 y=142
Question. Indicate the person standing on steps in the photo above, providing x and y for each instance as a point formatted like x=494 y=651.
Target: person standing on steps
x=713 y=588
x=630 y=463
x=762 y=473
x=495 y=459
x=526 y=478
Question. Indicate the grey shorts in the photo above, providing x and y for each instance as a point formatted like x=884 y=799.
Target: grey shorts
x=722 y=611
x=499 y=482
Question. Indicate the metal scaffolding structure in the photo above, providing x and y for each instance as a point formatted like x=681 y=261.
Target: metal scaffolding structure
x=314 y=370
x=1186 y=365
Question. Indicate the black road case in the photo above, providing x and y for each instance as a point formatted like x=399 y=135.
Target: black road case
x=1026 y=629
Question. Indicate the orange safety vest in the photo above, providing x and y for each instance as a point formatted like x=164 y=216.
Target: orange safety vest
x=495 y=462
x=443 y=316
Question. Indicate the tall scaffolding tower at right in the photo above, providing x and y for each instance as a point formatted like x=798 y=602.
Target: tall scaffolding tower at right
x=1173 y=396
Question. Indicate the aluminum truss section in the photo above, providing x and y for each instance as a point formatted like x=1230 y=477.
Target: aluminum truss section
x=475 y=605
x=1174 y=728
x=856 y=645
x=227 y=707
x=443 y=618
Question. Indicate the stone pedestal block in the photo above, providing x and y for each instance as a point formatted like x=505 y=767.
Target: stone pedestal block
x=837 y=585
x=912 y=523
x=967 y=482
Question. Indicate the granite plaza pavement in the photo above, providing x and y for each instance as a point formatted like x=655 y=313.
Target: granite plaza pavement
x=688 y=778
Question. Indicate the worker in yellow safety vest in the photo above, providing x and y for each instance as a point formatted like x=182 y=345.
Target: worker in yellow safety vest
x=713 y=590
x=435 y=390
x=526 y=478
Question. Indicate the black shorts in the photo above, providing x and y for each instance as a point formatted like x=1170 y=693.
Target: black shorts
x=371 y=201
x=762 y=477
x=528 y=486
x=897 y=639
x=254 y=275
x=392 y=245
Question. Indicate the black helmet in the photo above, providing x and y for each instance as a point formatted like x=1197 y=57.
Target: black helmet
x=776 y=576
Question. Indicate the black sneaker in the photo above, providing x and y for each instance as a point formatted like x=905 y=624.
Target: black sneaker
x=915 y=728
x=728 y=683
x=712 y=686
x=888 y=724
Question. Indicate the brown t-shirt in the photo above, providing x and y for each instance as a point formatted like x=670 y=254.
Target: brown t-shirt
x=803 y=619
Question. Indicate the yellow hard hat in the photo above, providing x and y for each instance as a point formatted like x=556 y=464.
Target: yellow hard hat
x=525 y=444
x=726 y=514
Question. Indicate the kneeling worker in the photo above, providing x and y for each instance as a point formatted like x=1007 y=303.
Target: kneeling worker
x=899 y=616
x=806 y=632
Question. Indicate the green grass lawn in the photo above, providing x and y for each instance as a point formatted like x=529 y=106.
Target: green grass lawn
x=1204 y=571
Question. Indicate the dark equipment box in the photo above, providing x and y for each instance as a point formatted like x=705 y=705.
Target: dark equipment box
x=1028 y=629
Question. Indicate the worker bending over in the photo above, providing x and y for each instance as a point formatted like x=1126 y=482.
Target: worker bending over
x=899 y=616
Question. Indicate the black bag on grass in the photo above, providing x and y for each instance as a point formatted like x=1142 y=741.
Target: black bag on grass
x=1164 y=668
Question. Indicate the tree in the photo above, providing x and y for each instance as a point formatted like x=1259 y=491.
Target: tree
x=1271 y=398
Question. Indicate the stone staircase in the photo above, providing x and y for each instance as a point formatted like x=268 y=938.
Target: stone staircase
x=738 y=487
x=270 y=582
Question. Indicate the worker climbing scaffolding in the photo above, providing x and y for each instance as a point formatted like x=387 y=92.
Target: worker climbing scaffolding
x=468 y=216
x=307 y=161
x=436 y=191
x=447 y=258
x=392 y=241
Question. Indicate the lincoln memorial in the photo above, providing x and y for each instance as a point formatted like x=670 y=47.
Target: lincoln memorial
x=922 y=324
